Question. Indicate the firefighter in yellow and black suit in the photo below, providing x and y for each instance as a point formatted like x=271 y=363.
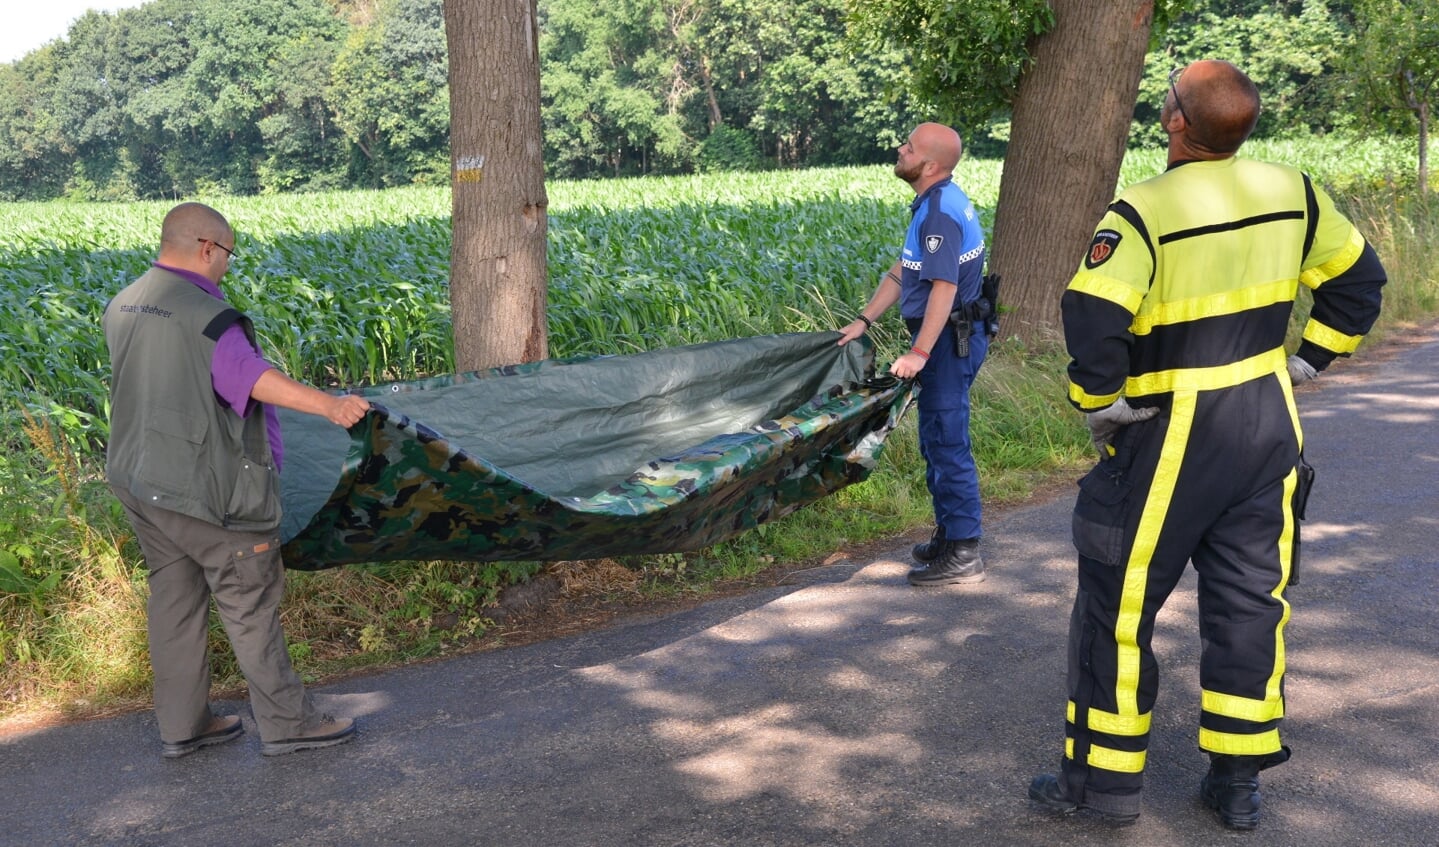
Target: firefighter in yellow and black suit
x=1176 y=325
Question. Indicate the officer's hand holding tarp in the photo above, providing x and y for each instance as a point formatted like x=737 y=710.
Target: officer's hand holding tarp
x=1105 y=423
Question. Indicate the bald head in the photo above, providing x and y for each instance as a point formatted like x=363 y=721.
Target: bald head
x=190 y=221
x=195 y=237
x=939 y=144
x=928 y=156
x=1220 y=106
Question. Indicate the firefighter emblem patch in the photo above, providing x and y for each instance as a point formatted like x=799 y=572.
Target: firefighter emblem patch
x=1105 y=242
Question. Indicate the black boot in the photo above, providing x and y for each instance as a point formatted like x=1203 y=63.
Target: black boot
x=926 y=552
x=958 y=561
x=1231 y=787
x=1048 y=792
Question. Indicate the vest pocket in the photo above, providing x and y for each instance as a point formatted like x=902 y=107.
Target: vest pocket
x=172 y=451
x=255 y=501
x=1100 y=514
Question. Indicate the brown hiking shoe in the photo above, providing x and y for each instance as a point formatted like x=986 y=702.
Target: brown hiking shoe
x=220 y=730
x=327 y=733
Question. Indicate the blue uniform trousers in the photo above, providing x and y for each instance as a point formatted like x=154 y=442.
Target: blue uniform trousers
x=944 y=442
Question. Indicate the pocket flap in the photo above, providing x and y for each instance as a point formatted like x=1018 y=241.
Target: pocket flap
x=1105 y=488
x=178 y=424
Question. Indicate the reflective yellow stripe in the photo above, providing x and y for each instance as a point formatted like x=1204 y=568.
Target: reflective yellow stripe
x=1223 y=303
x=1112 y=724
x=1069 y=748
x=1273 y=690
x=1115 y=760
x=1136 y=571
x=1243 y=708
x=1330 y=338
x=1078 y=396
x=1069 y=711
x=1293 y=411
x=1342 y=261
x=1233 y=744
x=1206 y=379
x=1121 y=294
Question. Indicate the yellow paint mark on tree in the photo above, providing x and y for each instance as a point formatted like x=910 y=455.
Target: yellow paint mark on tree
x=469 y=169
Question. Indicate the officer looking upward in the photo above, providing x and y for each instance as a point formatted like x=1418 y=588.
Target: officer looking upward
x=936 y=282
x=1175 y=323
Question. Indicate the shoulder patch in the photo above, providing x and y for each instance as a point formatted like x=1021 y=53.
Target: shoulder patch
x=1101 y=248
x=932 y=243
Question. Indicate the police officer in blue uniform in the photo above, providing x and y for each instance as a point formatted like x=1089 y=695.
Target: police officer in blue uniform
x=1175 y=323
x=936 y=283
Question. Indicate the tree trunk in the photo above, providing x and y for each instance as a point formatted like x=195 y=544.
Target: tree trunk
x=1071 y=118
x=1418 y=102
x=716 y=117
x=497 y=257
x=1424 y=148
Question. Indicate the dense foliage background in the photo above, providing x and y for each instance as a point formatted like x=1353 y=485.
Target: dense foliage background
x=179 y=97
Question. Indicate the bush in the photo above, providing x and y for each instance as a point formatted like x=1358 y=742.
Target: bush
x=729 y=149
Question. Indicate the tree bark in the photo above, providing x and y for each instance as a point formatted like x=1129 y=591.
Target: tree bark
x=498 y=285
x=1067 y=135
x=1418 y=103
x=1424 y=149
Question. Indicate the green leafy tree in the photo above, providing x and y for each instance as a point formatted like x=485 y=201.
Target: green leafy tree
x=611 y=101
x=88 y=105
x=964 y=58
x=787 y=73
x=1397 y=61
x=237 y=77
x=390 y=93
x=173 y=96
x=1293 y=51
x=33 y=161
x=643 y=85
x=303 y=146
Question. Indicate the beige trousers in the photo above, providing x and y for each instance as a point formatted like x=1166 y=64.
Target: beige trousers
x=190 y=561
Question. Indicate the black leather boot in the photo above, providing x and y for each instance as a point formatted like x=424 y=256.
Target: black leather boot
x=926 y=552
x=1048 y=792
x=958 y=561
x=1231 y=787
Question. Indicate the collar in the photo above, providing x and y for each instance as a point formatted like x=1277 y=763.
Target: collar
x=1221 y=160
x=919 y=198
x=204 y=283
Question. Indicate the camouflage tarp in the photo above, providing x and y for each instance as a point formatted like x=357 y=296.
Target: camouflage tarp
x=657 y=452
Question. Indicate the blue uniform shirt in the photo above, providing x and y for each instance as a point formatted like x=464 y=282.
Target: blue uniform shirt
x=944 y=242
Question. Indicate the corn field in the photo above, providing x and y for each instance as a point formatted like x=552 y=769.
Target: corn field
x=348 y=288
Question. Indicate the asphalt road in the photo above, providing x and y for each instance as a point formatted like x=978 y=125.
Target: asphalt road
x=845 y=708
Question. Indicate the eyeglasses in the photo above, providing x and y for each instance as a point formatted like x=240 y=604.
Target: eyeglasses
x=227 y=250
x=1173 y=79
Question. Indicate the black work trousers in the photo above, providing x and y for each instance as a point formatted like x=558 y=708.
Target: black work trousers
x=1210 y=481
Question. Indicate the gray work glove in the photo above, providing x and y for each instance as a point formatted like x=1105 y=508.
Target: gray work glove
x=1105 y=423
x=1300 y=371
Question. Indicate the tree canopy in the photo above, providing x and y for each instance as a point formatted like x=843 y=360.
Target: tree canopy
x=179 y=96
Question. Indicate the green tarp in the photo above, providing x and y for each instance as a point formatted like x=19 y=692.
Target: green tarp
x=656 y=452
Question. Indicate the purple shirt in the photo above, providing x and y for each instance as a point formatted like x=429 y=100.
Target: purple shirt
x=235 y=367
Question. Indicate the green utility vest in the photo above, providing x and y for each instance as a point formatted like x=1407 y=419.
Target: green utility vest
x=173 y=444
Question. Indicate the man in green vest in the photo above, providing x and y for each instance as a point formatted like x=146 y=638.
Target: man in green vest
x=194 y=457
